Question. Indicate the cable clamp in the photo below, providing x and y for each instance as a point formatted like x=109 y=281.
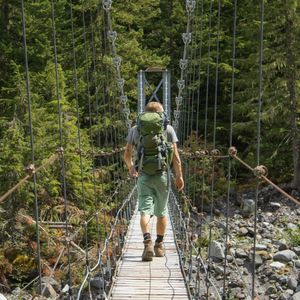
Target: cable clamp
x=179 y=101
x=117 y=62
x=60 y=150
x=232 y=151
x=181 y=84
x=176 y=113
x=260 y=171
x=78 y=151
x=124 y=99
x=121 y=82
x=126 y=112
x=112 y=35
x=190 y=6
x=215 y=152
x=183 y=64
x=187 y=37
x=107 y=4
x=30 y=169
x=128 y=124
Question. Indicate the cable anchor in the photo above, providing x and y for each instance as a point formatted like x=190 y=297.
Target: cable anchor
x=232 y=151
x=30 y=169
x=60 y=150
x=260 y=171
x=215 y=153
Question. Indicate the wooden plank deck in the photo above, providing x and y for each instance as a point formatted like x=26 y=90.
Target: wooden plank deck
x=159 y=279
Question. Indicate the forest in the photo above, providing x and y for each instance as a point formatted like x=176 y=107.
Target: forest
x=75 y=110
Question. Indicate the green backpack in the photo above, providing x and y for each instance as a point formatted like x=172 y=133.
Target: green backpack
x=154 y=152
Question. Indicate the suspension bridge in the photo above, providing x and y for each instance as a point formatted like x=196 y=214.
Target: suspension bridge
x=106 y=264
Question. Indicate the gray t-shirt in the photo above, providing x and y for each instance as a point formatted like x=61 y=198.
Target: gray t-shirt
x=133 y=135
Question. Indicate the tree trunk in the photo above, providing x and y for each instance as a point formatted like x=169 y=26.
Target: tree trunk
x=292 y=96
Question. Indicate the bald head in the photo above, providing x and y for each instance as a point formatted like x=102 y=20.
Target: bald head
x=154 y=107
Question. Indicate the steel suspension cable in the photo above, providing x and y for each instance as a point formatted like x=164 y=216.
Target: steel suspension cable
x=75 y=79
x=230 y=143
x=260 y=93
x=97 y=120
x=208 y=75
x=61 y=150
x=38 y=250
x=214 y=139
x=112 y=36
x=181 y=83
x=86 y=62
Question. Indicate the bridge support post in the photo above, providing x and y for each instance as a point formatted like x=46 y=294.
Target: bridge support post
x=167 y=93
x=141 y=91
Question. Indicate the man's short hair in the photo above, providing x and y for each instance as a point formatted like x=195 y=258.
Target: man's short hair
x=154 y=107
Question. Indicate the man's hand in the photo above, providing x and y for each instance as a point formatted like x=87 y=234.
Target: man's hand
x=179 y=183
x=132 y=172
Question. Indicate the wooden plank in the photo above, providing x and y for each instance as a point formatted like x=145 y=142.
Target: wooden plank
x=159 y=279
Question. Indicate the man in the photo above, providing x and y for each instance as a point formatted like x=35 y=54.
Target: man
x=153 y=190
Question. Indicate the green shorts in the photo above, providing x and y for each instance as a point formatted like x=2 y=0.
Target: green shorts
x=153 y=194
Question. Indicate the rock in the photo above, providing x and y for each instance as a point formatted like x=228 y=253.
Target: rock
x=296 y=296
x=283 y=280
x=277 y=265
x=229 y=258
x=217 y=250
x=275 y=205
x=265 y=255
x=248 y=207
x=285 y=296
x=51 y=281
x=258 y=260
x=284 y=256
x=282 y=244
x=240 y=253
x=260 y=247
x=297 y=263
x=65 y=289
x=251 y=231
x=239 y=262
x=292 y=226
x=292 y=283
x=219 y=270
x=243 y=231
x=97 y=283
x=271 y=290
x=49 y=291
x=2 y=297
x=296 y=250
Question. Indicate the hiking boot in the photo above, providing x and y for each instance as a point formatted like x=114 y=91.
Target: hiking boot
x=148 y=251
x=159 y=249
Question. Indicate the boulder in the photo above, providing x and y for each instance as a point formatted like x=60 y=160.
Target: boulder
x=217 y=250
x=2 y=297
x=296 y=296
x=292 y=283
x=284 y=256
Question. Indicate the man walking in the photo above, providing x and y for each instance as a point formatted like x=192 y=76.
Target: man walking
x=153 y=190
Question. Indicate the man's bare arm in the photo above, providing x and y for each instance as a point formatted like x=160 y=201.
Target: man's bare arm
x=177 y=166
x=128 y=160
